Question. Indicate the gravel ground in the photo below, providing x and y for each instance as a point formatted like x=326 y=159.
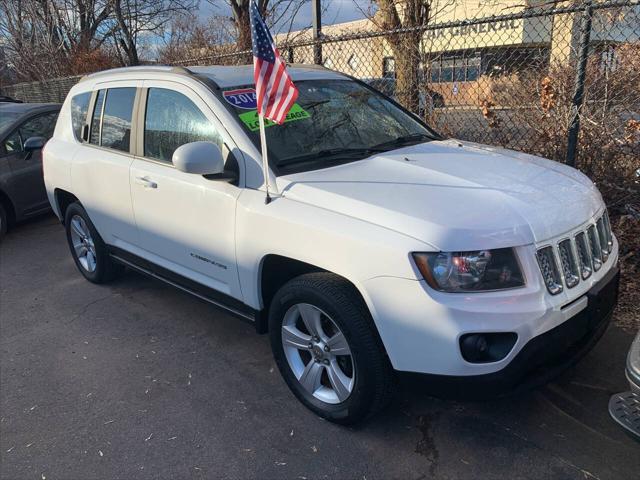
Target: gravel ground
x=139 y=380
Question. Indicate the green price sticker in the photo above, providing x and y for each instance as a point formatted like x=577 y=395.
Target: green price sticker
x=250 y=119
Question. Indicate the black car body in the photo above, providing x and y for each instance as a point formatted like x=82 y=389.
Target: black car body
x=24 y=128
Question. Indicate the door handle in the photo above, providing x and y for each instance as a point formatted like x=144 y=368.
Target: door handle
x=146 y=183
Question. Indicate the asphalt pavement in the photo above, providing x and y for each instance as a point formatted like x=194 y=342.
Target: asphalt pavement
x=137 y=380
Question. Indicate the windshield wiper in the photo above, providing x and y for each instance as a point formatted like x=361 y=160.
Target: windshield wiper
x=332 y=154
x=404 y=140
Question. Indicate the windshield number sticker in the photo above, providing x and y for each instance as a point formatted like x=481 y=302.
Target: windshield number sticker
x=243 y=98
x=250 y=119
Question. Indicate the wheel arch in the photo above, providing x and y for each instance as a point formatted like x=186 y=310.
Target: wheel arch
x=63 y=200
x=276 y=270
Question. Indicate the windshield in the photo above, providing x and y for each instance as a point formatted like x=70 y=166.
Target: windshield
x=332 y=122
x=7 y=119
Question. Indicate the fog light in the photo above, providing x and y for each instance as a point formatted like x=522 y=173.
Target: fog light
x=486 y=347
x=474 y=347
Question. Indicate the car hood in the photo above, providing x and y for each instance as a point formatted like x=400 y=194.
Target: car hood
x=454 y=195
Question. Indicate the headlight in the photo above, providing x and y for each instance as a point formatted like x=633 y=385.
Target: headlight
x=481 y=270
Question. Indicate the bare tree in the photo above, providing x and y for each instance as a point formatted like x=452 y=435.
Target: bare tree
x=140 y=18
x=411 y=15
x=24 y=39
x=45 y=38
x=275 y=12
x=186 y=39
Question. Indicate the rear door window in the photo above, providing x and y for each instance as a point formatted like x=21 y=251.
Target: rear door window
x=171 y=120
x=79 y=108
x=116 y=118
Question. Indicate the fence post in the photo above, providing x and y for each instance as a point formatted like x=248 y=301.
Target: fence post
x=581 y=73
x=317 y=31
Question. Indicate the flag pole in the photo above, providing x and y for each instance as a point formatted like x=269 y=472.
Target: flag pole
x=265 y=159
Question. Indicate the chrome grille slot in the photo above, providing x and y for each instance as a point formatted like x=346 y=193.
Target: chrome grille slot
x=594 y=245
x=584 y=255
x=602 y=239
x=568 y=264
x=549 y=269
x=607 y=231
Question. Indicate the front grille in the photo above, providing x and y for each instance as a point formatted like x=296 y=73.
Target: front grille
x=596 y=251
x=584 y=258
x=573 y=259
x=549 y=269
x=568 y=263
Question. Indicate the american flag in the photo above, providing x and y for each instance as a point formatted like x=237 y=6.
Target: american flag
x=275 y=91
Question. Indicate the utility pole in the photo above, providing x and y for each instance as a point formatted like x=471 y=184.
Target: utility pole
x=317 y=31
x=581 y=74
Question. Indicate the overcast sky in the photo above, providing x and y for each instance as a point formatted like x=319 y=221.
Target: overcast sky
x=335 y=11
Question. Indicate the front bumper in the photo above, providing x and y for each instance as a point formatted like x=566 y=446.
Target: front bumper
x=421 y=328
x=544 y=357
x=624 y=407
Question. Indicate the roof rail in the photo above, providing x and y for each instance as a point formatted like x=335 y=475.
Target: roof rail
x=179 y=69
x=143 y=69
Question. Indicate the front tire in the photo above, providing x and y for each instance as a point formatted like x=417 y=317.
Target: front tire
x=88 y=250
x=326 y=348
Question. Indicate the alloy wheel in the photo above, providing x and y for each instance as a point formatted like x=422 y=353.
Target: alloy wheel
x=318 y=353
x=83 y=245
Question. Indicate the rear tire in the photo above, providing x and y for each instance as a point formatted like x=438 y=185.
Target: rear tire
x=337 y=367
x=88 y=250
x=3 y=222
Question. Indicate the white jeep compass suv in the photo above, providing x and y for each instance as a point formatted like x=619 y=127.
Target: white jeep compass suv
x=386 y=252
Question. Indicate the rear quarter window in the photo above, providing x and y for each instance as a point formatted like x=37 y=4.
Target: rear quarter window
x=79 y=108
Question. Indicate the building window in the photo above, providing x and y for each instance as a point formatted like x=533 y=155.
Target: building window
x=505 y=61
x=457 y=68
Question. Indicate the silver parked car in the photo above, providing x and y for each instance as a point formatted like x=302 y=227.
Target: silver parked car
x=24 y=129
x=625 y=407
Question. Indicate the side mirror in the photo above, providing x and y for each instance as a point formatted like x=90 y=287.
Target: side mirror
x=34 y=143
x=202 y=158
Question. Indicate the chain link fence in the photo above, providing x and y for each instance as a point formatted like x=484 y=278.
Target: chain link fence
x=561 y=82
x=52 y=91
